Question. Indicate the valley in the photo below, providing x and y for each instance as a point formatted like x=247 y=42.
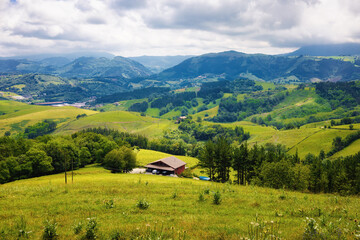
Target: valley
x=277 y=135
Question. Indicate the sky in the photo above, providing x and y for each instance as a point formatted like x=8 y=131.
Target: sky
x=174 y=27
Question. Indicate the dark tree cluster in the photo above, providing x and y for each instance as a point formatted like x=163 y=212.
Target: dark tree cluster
x=203 y=132
x=24 y=158
x=135 y=94
x=139 y=107
x=40 y=129
x=231 y=110
x=339 y=143
x=176 y=100
x=340 y=94
x=271 y=166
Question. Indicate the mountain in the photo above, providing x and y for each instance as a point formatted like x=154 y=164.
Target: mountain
x=234 y=64
x=345 y=49
x=87 y=67
x=70 y=56
x=159 y=63
x=84 y=67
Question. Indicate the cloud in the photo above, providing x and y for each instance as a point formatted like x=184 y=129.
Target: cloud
x=169 y=27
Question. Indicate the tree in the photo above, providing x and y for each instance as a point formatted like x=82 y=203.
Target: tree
x=120 y=160
x=240 y=163
x=207 y=158
x=39 y=161
x=4 y=172
x=223 y=159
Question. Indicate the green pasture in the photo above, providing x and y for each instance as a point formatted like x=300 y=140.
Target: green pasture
x=19 y=115
x=122 y=121
x=144 y=156
x=174 y=211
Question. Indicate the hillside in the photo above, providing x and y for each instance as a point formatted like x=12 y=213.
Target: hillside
x=16 y=116
x=122 y=121
x=159 y=63
x=111 y=200
x=233 y=64
x=83 y=67
x=345 y=49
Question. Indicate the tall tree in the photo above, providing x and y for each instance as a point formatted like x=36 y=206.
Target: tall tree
x=223 y=159
x=207 y=158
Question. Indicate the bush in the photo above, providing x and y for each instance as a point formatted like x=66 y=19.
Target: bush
x=77 y=227
x=201 y=197
x=143 y=204
x=217 y=198
x=50 y=230
x=186 y=173
x=91 y=229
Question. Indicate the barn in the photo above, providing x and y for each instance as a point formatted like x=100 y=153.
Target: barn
x=166 y=166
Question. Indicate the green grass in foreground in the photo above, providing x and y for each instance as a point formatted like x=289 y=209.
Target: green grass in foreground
x=48 y=198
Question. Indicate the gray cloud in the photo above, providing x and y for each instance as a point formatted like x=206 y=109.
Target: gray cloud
x=165 y=27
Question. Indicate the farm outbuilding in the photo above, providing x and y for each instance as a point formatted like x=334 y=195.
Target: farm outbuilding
x=166 y=166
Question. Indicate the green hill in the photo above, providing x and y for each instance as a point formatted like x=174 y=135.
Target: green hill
x=259 y=66
x=122 y=121
x=174 y=208
x=16 y=116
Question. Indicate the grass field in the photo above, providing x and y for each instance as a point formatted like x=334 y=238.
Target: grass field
x=305 y=140
x=349 y=150
x=147 y=156
x=122 y=121
x=175 y=211
x=19 y=115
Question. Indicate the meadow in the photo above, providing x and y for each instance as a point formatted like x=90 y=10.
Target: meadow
x=20 y=115
x=120 y=120
x=178 y=208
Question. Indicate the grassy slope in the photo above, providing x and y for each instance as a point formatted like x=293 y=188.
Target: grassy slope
x=147 y=156
x=47 y=197
x=22 y=115
x=120 y=120
x=305 y=140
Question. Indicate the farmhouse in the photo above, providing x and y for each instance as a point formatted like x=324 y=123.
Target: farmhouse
x=166 y=166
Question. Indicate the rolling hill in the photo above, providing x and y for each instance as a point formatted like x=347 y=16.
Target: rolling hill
x=234 y=64
x=16 y=116
x=83 y=67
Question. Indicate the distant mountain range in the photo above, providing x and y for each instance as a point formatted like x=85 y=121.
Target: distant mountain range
x=303 y=64
x=84 y=67
x=234 y=64
x=159 y=63
x=345 y=49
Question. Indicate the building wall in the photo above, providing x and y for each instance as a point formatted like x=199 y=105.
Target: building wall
x=179 y=170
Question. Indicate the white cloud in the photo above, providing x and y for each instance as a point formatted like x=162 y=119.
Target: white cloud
x=168 y=27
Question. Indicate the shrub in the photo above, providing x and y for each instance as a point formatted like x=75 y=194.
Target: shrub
x=201 y=197
x=21 y=227
x=77 y=227
x=50 y=230
x=217 y=198
x=143 y=204
x=91 y=229
x=117 y=235
x=109 y=204
x=186 y=173
x=311 y=229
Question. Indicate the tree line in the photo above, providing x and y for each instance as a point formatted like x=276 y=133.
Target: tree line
x=270 y=166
